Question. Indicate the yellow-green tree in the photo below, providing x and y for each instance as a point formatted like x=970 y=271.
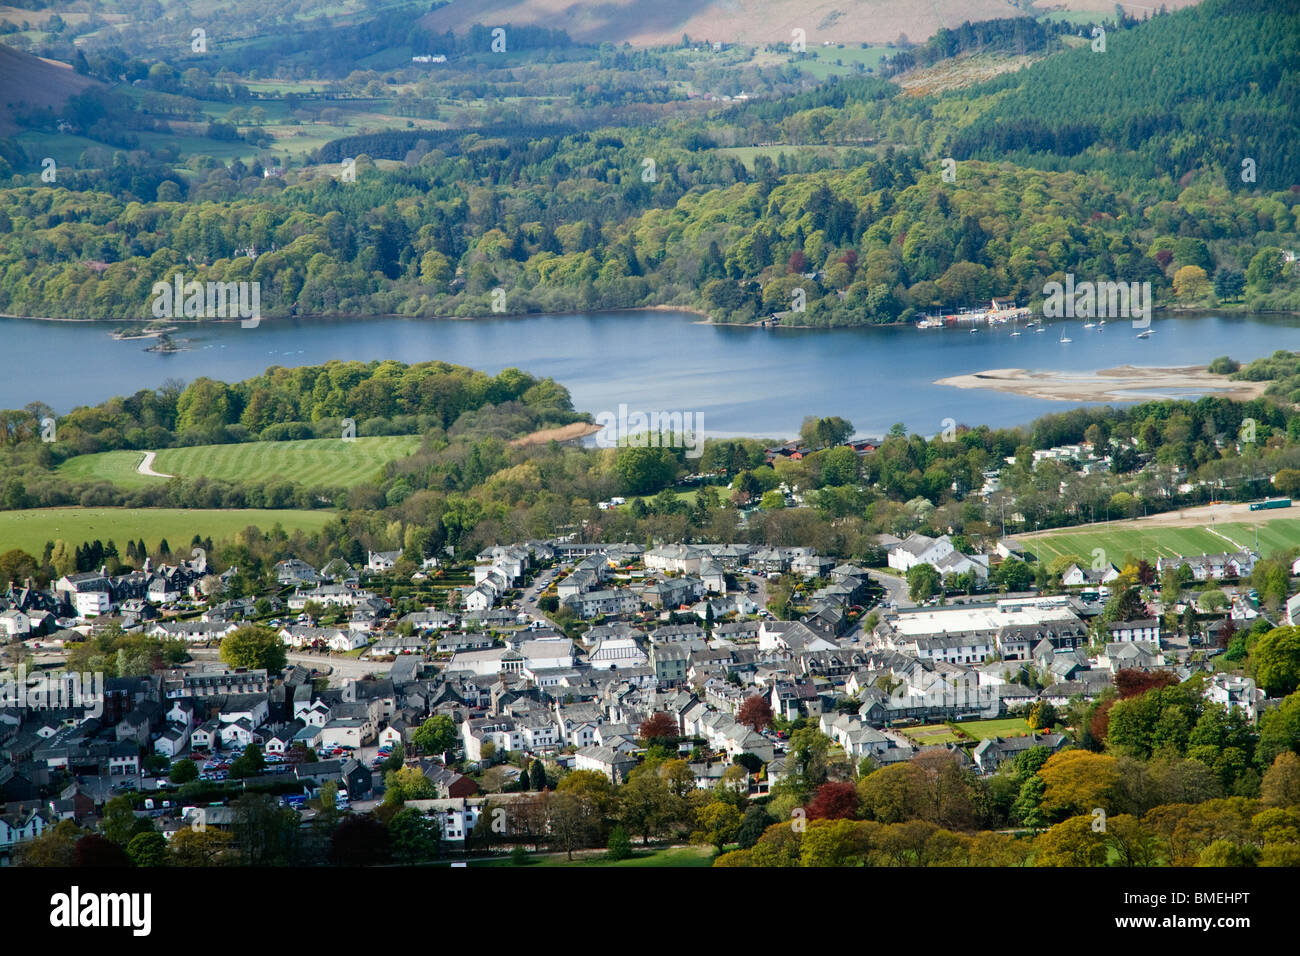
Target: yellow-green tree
x=1078 y=781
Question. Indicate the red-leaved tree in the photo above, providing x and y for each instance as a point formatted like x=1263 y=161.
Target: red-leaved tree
x=755 y=712
x=834 y=800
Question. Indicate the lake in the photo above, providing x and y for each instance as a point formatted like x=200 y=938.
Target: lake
x=739 y=381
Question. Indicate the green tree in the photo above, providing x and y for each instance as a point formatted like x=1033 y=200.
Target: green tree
x=248 y=764
x=923 y=581
x=1277 y=661
x=537 y=776
x=716 y=824
x=118 y=822
x=1072 y=842
x=254 y=647
x=147 y=849
x=619 y=846
x=184 y=770
x=437 y=735
x=414 y=836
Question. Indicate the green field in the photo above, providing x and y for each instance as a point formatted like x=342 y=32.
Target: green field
x=930 y=735
x=825 y=61
x=983 y=729
x=1150 y=543
x=747 y=154
x=675 y=856
x=29 y=530
x=327 y=462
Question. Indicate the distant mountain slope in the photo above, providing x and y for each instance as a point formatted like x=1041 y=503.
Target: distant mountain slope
x=29 y=82
x=1209 y=86
x=661 y=22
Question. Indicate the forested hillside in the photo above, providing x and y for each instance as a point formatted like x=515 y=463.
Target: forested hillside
x=1118 y=165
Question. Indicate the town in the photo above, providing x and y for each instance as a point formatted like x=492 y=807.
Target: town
x=538 y=662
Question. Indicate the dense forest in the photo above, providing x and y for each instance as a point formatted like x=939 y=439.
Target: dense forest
x=869 y=231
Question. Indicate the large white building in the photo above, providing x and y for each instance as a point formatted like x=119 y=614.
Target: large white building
x=919 y=549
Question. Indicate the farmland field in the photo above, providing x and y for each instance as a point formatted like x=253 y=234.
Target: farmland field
x=328 y=462
x=1153 y=542
x=29 y=530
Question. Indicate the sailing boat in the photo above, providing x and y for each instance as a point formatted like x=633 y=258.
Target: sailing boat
x=1064 y=340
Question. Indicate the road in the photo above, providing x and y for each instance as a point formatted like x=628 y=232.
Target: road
x=895 y=589
x=528 y=599
x=340 y=667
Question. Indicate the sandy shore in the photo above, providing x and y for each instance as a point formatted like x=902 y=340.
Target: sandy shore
x=570 y=432
x=1127 y=383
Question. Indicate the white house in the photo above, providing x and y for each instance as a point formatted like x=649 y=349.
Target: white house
x=1075 y=576
x=1147 y=630
x=92 y=603
x=1233 y=691
x=382 y=560
x=15 y=624
x=919 y=549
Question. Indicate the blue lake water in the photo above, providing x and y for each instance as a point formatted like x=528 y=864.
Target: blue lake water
x=741 y=381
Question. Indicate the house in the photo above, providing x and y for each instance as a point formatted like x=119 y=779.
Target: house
x=192 y=631
x=294 y=572
x=15 y=624
x=448 y=783
x=1235 y=692
x=606 y=760
x=609 y=601
x=480 y=598
x=683 y=558
x=382 y=560
x=1075 y=576
x=23 y=827
x=712 y=576
x=992 y=752
x=669 y=662
x=1293 y=607
x=1147 y=630
x=206 y=736
x=454 y=641
x=353 y=732
x=918 y=548
x=617 y=652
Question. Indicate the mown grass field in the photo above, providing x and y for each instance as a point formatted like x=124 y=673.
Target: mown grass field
x=1151 y=543
x=984 y=729
x=329 y=462
x=931 y=734
x=29 y=530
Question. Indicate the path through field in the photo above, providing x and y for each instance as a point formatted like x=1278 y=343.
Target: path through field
x=146 y=466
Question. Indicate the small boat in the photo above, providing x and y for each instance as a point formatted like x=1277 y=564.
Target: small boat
x=1101 y=324
x=973 y=331
x=1145 y=335
x=1014 y=334
x=1089 y=325
x=1040 y=329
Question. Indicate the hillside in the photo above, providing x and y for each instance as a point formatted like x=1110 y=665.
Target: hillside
x=31 y=83
x=744 y=21
x=1218 y=84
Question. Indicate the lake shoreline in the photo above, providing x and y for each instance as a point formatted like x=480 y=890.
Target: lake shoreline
x=707 y=319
